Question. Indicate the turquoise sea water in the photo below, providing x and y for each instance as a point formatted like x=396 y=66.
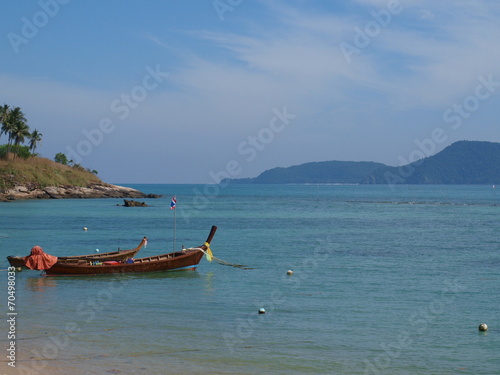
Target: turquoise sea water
x=385 y=282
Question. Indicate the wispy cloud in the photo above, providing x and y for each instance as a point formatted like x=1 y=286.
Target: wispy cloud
x=426 y=56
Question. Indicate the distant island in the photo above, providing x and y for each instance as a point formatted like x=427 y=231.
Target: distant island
x=323 y=172
x=463 y=162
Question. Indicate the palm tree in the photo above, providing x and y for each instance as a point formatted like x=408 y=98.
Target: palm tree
x=35 y=139
x=8 y=125
x=14 y=125
x=4 y=112
x=20 y=132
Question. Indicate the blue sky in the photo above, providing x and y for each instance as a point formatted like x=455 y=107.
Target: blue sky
x=190 y=91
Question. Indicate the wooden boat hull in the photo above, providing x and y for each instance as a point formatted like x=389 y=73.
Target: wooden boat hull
x=185 y=259
x=16 y=261
x=188 y=259
x=119 y=255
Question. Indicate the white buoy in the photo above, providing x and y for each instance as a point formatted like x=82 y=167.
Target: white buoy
x=84 y=229
x=262 y=311
x=483 y=327
x=96 y=250
x=289 y=272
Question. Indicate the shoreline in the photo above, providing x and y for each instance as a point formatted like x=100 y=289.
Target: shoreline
x=98 y=190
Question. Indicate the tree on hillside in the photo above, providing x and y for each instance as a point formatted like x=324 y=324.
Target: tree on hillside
x=14 y=125
x=4 y=112
x=61 y=158
x=8 y=128
x=35 y=139
x=20 y=132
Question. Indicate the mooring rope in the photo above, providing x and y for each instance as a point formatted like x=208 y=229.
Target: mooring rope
x=210 y=256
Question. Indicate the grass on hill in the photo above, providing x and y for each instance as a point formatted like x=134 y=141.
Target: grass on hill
x=38 y=172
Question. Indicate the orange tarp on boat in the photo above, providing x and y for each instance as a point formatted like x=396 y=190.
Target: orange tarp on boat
x=39 y=260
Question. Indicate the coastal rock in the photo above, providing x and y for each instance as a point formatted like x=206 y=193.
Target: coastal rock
x=130 y=203
x=22 y=192
x=153 y=196
x=71 y=192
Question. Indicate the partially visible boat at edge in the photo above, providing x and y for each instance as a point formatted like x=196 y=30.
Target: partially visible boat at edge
x=186 y=259
x=119 y=255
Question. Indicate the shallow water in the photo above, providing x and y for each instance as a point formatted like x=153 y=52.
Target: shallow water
x=385 y=282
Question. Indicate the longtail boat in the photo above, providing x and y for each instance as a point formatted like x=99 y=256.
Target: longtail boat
x=119 y=255
x=186 y=259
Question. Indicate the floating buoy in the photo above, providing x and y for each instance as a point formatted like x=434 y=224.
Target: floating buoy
x=483 y=327
x=262 y=311
x=96 y=250
x=84 y=229
x=289 y=272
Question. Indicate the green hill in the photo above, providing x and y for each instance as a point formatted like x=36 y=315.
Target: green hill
x=463 y=162
x=39 y=178
x=326 y=172
x=36 y=172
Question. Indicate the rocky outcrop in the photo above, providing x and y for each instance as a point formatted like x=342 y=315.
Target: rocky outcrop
x=72 y=192
x=130 y=203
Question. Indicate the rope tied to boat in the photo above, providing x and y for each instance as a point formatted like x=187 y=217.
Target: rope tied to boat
x=210 y=256
x=208 y=252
